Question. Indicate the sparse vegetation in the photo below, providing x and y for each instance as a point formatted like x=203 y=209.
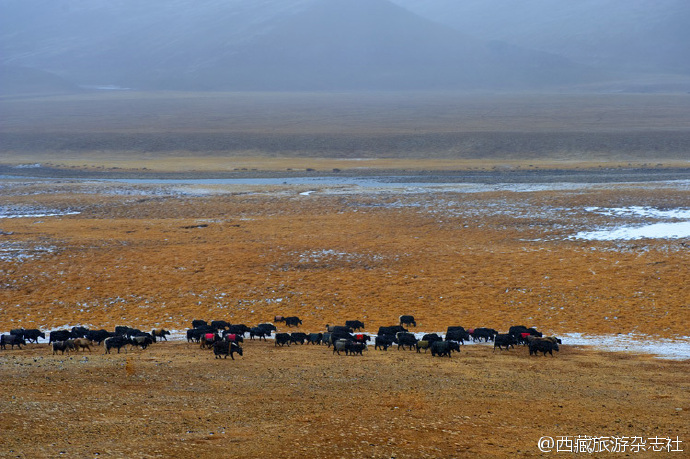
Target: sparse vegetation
x=237 y=131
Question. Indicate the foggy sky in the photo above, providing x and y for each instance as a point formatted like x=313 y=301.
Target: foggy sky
x=346 y=44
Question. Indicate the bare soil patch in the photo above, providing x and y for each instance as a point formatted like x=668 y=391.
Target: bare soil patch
x=176 y=400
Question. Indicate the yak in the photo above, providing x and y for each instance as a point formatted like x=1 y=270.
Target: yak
x=224 y=348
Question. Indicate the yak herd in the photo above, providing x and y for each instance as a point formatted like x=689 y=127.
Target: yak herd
x=81 y=338
x=225 y=339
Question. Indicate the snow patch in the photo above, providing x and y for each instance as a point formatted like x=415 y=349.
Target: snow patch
x=32 y=212
x=657 y=230
x=676 y=349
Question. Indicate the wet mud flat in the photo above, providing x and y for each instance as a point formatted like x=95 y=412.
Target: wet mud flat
x=491 y=175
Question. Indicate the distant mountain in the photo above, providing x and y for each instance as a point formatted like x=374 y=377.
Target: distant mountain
x=21 y=80
x=124 y=42
x=266 y=44
x=622 y=35
x=372 y=44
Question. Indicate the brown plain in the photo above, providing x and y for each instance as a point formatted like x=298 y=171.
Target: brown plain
x=139 y=256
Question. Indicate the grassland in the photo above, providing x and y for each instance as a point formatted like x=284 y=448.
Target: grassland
x=154 y=255
x=150 y=256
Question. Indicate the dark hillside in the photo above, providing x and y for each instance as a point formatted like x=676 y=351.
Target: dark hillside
x=268 y=45
x=374 y=44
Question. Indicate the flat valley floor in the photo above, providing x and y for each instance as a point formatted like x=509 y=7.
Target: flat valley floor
x=101 y=254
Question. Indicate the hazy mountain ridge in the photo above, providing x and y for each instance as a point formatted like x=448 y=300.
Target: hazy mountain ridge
x=274 y=45
x=630 y=35
x=106 y=41
x=392 y=48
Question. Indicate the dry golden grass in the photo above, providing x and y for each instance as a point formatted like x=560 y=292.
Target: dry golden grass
x=144 y=257
x=174 y=400
x=141 y=257
x=247 y=256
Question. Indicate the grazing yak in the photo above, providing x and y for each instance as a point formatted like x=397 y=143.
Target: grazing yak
x=392 y=330
x=282 y=339
x=232 y=337
x=268 y=326
x=31 y=335
x=349 y=347
x=406 y=339
x=143 y=341
x=98 y=336
x=12 y=340
x=423 y=344
x=506 y=340
x=383 y=342
x=407 y=320
x=60 y=335
x=355 y=325
x=220 y=324
x=198 y=323
x=160 y=333
x=62 y=346
x=442 y=348
x=431 y=337
x=117 y=342
x=542 y=345
x=459 y=336
x=82 y=343
x=520 y=332
x=553 y=339
x=315 y=338
x=224 y=348
x=299 y=337
x=293 y=321
x=207 y=340
x=481 y=333
x=79 y=332
x=239 y=329
x=259 y=332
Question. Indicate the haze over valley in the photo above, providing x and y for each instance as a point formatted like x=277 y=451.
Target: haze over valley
x=309 y=45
